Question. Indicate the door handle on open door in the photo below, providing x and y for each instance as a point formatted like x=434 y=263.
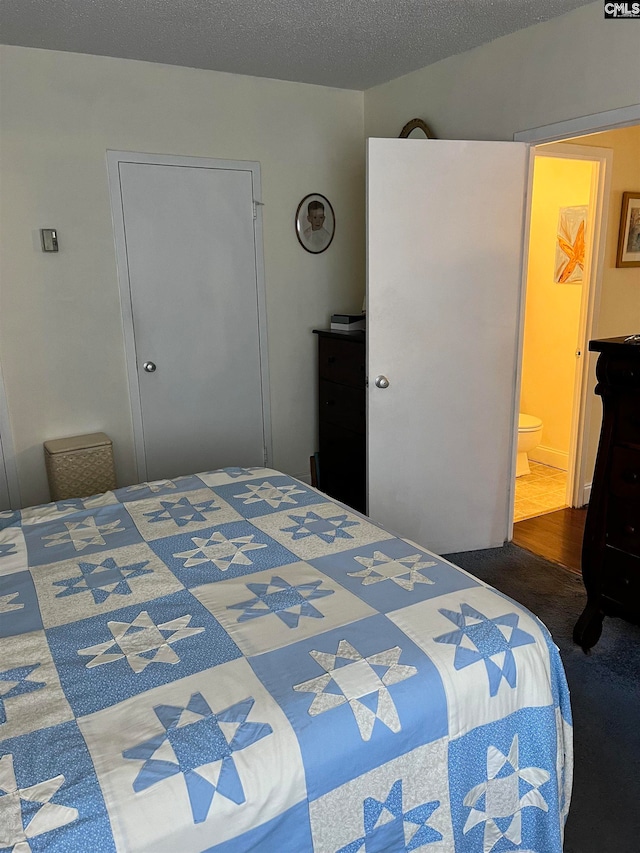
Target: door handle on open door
x=149 y=366
x=381 y=382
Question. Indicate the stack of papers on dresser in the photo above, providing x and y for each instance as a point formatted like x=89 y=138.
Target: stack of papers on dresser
x=348 y=322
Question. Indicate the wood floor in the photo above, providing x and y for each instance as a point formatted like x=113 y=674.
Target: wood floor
x=556 y=536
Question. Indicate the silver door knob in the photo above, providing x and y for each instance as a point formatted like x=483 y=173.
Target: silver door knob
x=149 y=366
x=381 y=382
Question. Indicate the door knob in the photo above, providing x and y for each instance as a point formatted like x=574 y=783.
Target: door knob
x=381 y=382
x=149 y=366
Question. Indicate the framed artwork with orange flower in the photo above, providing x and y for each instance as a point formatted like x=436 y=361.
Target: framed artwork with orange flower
x=629 y=236
x=570 y=243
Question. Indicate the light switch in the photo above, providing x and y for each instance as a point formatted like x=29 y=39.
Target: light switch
x=49 y=237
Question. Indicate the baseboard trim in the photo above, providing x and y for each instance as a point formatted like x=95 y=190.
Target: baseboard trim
x=549 y=456
x=586 y=494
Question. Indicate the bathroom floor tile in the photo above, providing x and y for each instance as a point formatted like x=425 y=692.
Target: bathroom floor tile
x=541 y=491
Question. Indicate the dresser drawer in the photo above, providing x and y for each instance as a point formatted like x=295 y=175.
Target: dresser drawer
x=621 y=578
x=623 y=373
x=623 y=525
x=342 y=405
x=342 y=361
x=629 y=419
x=625 y=473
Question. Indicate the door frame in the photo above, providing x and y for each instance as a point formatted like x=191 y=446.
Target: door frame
x=559 y=132
x=8 y=470
x=577 y=491
x=114 y=158
x=581 y=126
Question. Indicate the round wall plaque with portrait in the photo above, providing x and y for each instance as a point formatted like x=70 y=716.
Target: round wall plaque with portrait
x=315 y=223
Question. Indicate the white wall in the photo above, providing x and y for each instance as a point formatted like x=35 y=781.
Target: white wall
x=571 y=66
x=61 y=343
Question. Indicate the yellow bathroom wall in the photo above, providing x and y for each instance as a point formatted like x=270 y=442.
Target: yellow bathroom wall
x=552 y=313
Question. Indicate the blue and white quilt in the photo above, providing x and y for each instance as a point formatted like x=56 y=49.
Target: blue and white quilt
x=233 y=662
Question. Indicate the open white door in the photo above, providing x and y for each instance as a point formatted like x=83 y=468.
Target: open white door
x=445 y=260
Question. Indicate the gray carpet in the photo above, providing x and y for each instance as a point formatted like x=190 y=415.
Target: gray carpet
x=605 y=697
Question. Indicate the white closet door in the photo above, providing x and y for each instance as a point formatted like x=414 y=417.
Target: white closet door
x=191 y=268
x=445 y=244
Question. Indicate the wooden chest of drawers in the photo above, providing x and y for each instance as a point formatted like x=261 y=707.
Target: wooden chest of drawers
x=611 y=546
x=342 y=416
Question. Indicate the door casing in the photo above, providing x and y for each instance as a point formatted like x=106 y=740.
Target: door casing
x=9 y=486
x=577 y=487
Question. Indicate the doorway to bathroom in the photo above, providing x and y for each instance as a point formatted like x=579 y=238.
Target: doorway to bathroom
x=565 y=236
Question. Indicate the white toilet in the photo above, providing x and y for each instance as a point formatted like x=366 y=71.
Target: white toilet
x=529 y=437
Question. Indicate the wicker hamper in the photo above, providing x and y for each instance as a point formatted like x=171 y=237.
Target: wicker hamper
x=79 y=466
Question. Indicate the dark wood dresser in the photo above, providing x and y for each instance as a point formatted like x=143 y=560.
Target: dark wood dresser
x=611 y=545
x=342 y=416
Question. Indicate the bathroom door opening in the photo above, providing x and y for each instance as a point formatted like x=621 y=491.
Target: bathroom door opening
x=560 y=302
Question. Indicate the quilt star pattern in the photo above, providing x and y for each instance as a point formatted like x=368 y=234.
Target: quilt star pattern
x=289 y=602
x=29 y=812
x=326 y=529
x=220 y=551
x=489 y=640
x=271 y=495
x=10 y=602
x=500 y=796
x=350 y=678
x=403 y=571
x=198 y=723
x=231 y=660
x=16 y=681
x=102 y=579
x=82 y=533
x=388 y=827
x=141 y=642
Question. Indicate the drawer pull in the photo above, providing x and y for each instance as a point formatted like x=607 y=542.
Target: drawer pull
x=630 y=529
x=631 y=476
x=330 y=403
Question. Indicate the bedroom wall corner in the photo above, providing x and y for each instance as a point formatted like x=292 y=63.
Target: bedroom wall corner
x=574 y=65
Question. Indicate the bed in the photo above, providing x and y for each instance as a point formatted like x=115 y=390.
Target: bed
x=234 y=662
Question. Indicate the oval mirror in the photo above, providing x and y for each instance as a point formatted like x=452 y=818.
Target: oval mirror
x=417 y=128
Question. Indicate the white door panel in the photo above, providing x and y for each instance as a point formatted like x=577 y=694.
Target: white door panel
x=191 y=266
x=445 y=240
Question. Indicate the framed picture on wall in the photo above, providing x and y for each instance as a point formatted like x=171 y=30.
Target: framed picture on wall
x=315 y=223
x=570 y=245
x=629 y=236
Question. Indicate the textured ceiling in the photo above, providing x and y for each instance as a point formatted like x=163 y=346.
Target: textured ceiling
x=351 y=44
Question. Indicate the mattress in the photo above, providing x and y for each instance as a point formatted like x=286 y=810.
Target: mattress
x=234 y=662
